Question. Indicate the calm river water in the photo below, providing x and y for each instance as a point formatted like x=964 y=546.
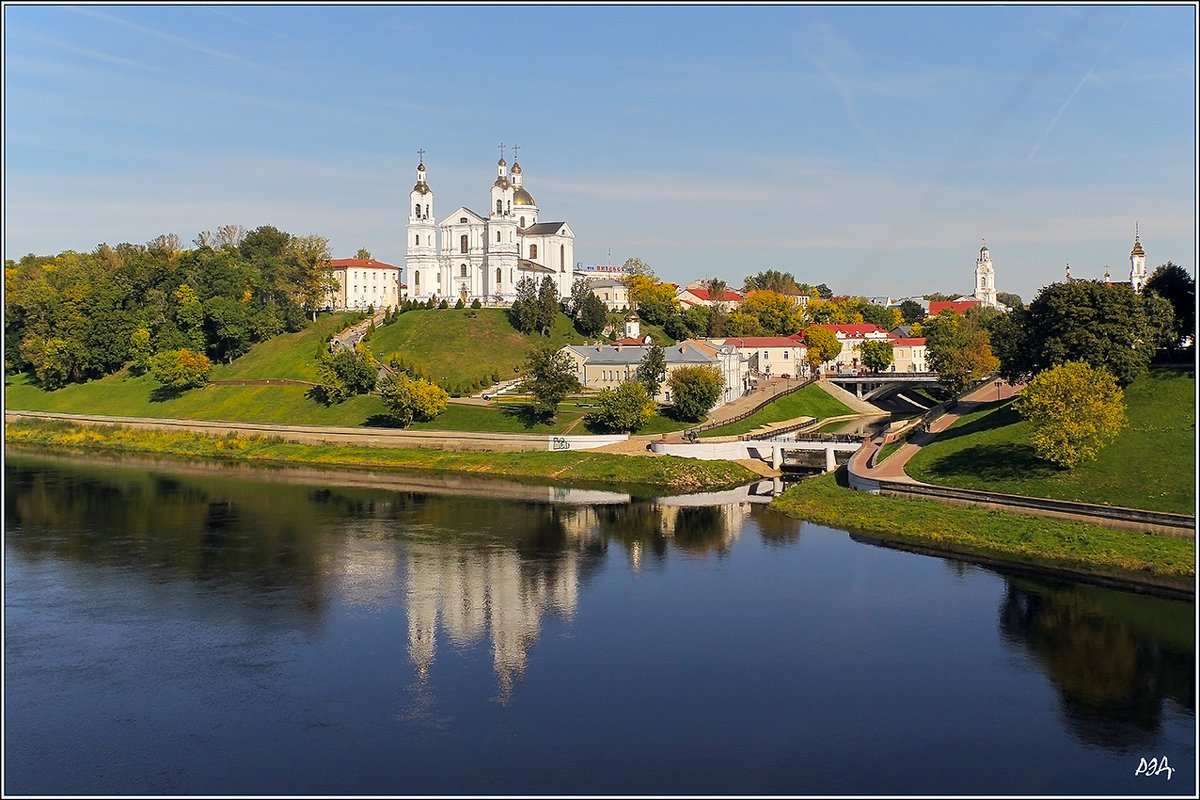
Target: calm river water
x=185 y=630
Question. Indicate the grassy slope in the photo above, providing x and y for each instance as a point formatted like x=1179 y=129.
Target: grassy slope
x=1151 y=465
x=463 y=348
x=811 y=401
x=1015 y=538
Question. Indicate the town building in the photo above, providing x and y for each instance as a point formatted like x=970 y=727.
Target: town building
x=472 y=256
x=611 y=291
x=364 y=283
x=769 y=355
x=851 y=338
x=699 y=295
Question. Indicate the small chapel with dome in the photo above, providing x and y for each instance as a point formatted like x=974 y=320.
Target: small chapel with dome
x=472 y=256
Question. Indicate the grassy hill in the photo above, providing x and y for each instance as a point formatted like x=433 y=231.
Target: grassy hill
x=463 y=350
x=1151 y=464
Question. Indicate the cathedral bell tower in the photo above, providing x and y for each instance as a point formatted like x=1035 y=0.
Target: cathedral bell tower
x=420 y=260
x=501 y=248
x=985 y=279
x=1137 y=263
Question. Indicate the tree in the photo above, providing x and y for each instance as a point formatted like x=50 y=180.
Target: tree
x=547 y=305
x=1102 y=324
x=626 y=407
x=549 y=376
x=879 y=316
x=180 y=369
x=308 y=264
x=1173 y=284
x=695 y=390
x=345 y=372
x=591 y=316
x=1074 y=410
x=656 y=304
x=958 y=351
x=652 y=370
x=1009 y=299
x=140 y=351
x=911 y=311
x=877 y=354
x=777 y=314
x=821 y=345
x=772 y=280
x=363 y=254
x=410 y=399
x=524 y=311
x=716 y=293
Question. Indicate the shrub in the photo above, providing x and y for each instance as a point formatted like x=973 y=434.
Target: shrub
x=411 y=399
x=1074 y=410
x=180 y=369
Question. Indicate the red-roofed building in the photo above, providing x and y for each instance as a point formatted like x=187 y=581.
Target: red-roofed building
x=851 y=337
x=908 y=355
x=769 y=355
x=957 y=306
x=363 y=283
x=700 y=296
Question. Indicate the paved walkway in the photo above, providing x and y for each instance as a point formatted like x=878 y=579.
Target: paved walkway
x=893 y=468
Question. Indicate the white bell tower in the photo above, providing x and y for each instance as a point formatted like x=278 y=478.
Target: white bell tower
x=1137 y=263
x=420 y=260
x=985 y=279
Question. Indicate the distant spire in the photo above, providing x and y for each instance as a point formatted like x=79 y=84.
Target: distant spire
x=501 y=146
x=421 y=155
x=515 y=149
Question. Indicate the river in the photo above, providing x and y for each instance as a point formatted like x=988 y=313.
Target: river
x=193 y=629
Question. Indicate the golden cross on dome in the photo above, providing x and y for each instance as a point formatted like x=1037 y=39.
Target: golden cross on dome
x=501 y=146
x=515 y=149
x=421 y=153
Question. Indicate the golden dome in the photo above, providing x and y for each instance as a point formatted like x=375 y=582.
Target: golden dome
x=522 y=197
x=1137 y=248
x=421 y=187
x=516 y=170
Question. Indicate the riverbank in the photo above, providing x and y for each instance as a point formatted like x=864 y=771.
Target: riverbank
x=584 y=469
x=1076 y=549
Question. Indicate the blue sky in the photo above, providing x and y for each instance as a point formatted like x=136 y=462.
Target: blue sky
x=872 y=148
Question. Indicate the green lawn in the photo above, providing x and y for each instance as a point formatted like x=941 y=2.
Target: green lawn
x=289 y=355
x=1151 y=465
x=971 y=531
x=464 y=350
x=811 y=401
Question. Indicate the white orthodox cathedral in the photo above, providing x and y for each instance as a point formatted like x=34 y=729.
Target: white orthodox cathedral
x=483 y=257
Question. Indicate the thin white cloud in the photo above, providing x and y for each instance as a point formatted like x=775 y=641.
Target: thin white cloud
x=171 y=38
x=105 y=57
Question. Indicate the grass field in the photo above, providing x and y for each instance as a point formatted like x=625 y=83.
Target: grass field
x=1015 y=538
x=811 y=401
x=1151 y=464
x=464 y=350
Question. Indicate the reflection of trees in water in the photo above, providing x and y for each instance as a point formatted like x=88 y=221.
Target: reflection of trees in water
x=1106 y=655
x=777 y=530
x=260 y=537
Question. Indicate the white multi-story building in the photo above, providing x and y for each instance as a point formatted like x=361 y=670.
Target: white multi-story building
x=364 y=283
x=985 y=279
x=473 y=256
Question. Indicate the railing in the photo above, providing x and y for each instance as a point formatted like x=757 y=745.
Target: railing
x=692 y=432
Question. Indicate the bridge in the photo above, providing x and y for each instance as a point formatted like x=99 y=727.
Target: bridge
x=879 y=385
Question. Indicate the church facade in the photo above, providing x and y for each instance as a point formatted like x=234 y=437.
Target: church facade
x=471 y=256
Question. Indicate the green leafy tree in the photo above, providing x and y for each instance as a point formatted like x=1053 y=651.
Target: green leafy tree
x=958 y=351
x=626 y=407
x=1102 y=324
x=911 y=311
x=344 y=373
x=695 y=390
x=1176 y=286
x=591 y=316
x=181 y=369
x=879 y=316
x=547 y=305
x=412 y=399
x=652 y=370
x=772 y=280
x=363 y=254
x=307 y=263
x=1074 y=410
x=549 y=376
x=876 y=355
x=821 y=345
x=1009 y=299
x=140 y=350
x=656 y=304
x=777 y=314
x=227 y=327
x=524 y=311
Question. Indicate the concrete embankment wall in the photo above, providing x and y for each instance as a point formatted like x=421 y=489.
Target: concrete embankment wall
x=378 y=437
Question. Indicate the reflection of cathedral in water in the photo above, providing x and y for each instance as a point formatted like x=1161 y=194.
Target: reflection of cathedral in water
x=477 y=592
x=503 y=593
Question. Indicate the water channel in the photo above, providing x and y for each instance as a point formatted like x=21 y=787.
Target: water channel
x=192 y=629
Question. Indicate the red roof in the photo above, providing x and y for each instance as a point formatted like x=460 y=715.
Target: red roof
x=917 y=342
x=957 y=306
x=702 y=294
x=359 y=263
x=629 y=341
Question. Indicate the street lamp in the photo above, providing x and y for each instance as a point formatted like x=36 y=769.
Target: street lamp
x=998 y=389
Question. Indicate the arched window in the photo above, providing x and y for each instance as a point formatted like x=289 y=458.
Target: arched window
x=497 y=276
x=417 y=211
x=462 y=243
x=417 y=281
x=499 y=206
x=462 y=271
x=562 y=257
x=497 y=236
x=522 y=222
x=532 y=251
x=426 y=209
x=418 y=237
